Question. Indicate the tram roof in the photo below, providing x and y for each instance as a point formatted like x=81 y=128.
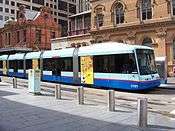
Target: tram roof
x=18 y=56
x=3 y=57
x=68 y=52
x=33 y=55
x=109 y=48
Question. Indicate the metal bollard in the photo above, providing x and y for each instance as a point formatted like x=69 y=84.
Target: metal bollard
x=142 y=112
x=58 y=91
x=111 y=100
x=80 y=92
x=14 y=82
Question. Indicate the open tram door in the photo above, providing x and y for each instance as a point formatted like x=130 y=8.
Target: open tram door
x=87 y=74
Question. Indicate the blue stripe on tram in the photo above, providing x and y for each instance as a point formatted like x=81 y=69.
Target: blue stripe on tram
x=54 y=78
x=16 y=74
x=106 y=83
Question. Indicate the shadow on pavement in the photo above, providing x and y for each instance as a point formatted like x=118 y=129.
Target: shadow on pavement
x=5 y=93
x=17 y=116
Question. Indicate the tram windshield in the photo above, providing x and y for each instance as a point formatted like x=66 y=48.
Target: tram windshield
x=146 y=61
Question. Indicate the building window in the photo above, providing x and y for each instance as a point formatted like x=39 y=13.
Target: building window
x=62 y=5
x=12 y=11
x=64 y=25
x=99 y=20
x=1 y=17
x=55 y=19
x=7 y=2
x=41 y=2
x=62 y=15
x=72 y=8
x=55 y=13
x=38 y=37
x=147 y=42
x=1 y=1
x=173 y=7
x=146 y=9
x=87 y=22
x=6 y=10
x=55 y=7
x=119 y=14
x=1 y=9
x=79 y=23
x=12 y=3
x=35 y=8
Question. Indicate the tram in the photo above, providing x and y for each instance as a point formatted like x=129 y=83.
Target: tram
x=105 y=65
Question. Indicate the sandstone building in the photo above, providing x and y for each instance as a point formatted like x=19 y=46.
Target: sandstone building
x=143 y=22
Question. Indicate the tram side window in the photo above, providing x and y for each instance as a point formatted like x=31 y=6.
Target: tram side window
x=13 y=65
x=1 y=64
x=67 y=64
x=118 y=63
x=52 y=64
x=20 y=64
x=28 y=64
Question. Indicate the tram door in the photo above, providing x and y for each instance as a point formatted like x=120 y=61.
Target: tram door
x=4 y=67
x=87 y=74
x=35 y=64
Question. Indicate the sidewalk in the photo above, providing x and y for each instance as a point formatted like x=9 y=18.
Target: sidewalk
x=22 y=111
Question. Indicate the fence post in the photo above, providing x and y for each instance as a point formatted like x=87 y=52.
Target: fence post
x=111 y=100
x=142 y=112
x=14 y=82
x=80 y=94
x=58 y=91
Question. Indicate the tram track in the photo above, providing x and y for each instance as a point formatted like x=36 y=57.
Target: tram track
x=99 y=96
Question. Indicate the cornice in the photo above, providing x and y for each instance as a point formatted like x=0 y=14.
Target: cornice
x=148 y=26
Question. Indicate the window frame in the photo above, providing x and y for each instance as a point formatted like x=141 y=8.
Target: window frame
x=148 y=9
x=121 y=14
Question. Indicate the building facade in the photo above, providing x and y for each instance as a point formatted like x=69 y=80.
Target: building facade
x=60 y=9
x=143 y=22
x=78 y=29
x=32 y=30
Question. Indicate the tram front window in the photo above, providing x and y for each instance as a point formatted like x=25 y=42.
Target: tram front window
x=146 y=61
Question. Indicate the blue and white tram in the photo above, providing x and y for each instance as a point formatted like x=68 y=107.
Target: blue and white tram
x=115 y=65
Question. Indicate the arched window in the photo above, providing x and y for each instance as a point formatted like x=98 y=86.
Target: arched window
x=173 y=7
x=174 y=48
x=147 y=42
x=119 y=14
x=99 y=15
x=146 y=9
